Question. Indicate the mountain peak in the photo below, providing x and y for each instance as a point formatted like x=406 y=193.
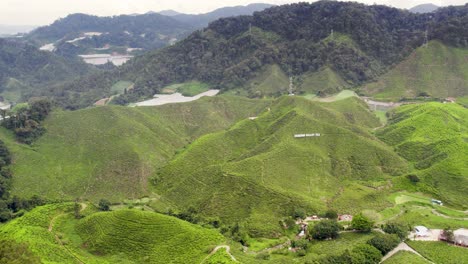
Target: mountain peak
x=169 y=12
x=424 y=8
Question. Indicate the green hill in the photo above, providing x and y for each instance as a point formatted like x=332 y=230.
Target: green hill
x=433 y=137
x=112 y=151
x=147 y=237
x=257 y=172
x=437 y=70
x=52 y=234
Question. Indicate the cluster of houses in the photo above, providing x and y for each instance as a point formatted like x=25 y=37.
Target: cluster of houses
x=460 y=236
x=304 y=223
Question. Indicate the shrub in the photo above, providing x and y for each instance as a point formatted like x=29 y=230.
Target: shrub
x=398 y=229
x=104 y=205
x=331 y=214
x=301 y=243
x=361 y=223
x=325 y=229
x=365 y=254
x=413 y=178
x=384 y=242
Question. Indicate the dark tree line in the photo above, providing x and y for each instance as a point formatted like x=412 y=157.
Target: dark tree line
x=26 y=122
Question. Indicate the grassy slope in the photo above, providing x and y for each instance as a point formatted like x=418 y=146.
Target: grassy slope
x=272 y=80
x=433 y=137
x=147 y=237
x=109 y=152
x=32 y=230
x=440 y=252
x=405 y=257
x=439 y=70
x=256 y=171
x=325 y=80
x=127 y=236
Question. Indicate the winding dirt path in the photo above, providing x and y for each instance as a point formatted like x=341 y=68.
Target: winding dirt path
x=57 y=238
x=228 y=250
x=403 y=247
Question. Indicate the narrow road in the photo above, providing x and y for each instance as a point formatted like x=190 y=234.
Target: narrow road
x=434 y=211
x=403 y=247
x=228 y=250
x=57 y=238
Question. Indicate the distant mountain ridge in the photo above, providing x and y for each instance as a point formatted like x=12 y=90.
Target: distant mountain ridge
x=148 y=31
x=202 y=20
x=424 y=8
x=168 y=13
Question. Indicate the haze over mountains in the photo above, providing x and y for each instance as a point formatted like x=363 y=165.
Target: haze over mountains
x=119 y=33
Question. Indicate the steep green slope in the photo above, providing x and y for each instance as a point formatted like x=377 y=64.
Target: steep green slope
x=147 y=237
x=325 y=81
x=433 y=137
x=437 y=70
x=111 y=151
x=257 y=172
x=52 y=234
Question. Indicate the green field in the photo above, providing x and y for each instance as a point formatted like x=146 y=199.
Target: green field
x=438 y=70
x=440 y=252
x=405 y=257
x=110 y=152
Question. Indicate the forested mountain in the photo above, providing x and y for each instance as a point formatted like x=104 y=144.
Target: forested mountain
x=352 y=42
x=86 y=34
x=146 y=31
x=24 y=68
x=424 y=8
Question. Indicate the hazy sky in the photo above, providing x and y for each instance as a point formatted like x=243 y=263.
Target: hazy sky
x=42 y=12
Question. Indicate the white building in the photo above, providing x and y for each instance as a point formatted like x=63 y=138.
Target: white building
x=421 y=231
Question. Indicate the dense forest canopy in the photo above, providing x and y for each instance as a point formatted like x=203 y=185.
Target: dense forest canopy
x=356 y=41
x=24 y=67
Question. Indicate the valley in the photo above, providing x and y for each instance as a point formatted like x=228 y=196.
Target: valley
x=325 y=133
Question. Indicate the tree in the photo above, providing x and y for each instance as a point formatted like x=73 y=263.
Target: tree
x=361 y=223
x=325 y=229
x=384 y=242
x=77 y=210
x=299 y=214
x=104 y=205
x=413 y=178
x=448 y=235
x=331 y=214
x=301 y=244
x=365 y=254
x=398 y=229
